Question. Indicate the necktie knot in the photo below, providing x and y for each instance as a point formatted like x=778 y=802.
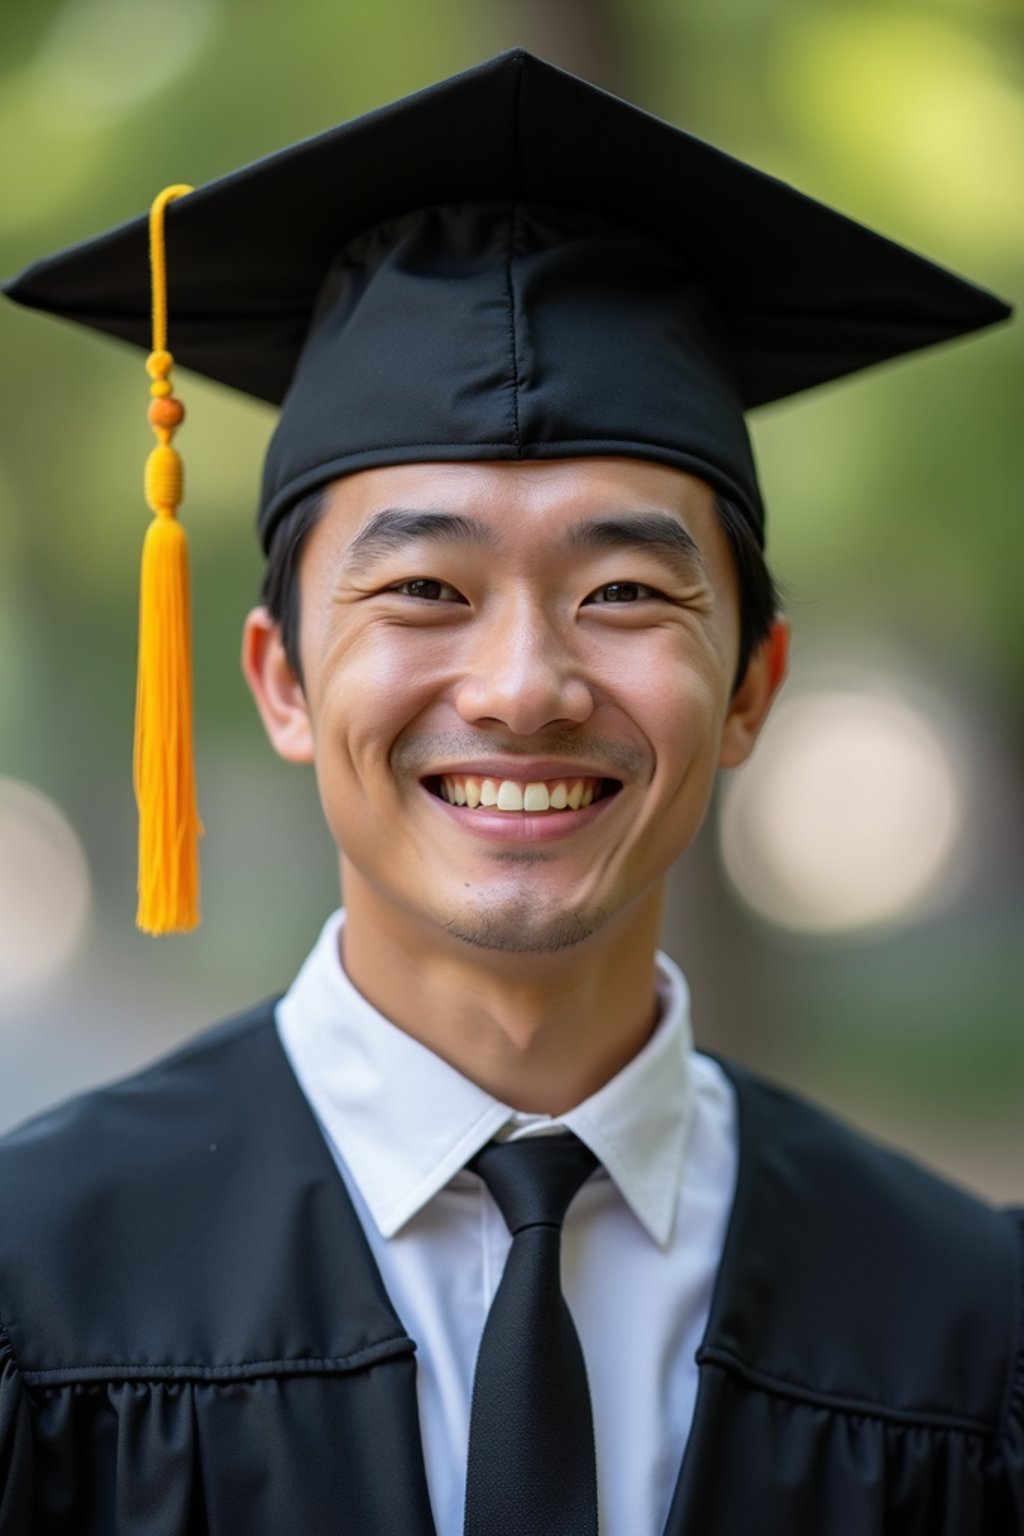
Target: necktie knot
x=533 y=1180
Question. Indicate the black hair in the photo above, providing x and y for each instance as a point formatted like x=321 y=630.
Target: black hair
x=758 y=592
x=279 y=593
x=759 y=598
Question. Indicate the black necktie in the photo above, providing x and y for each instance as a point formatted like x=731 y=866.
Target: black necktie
x=532 y=1470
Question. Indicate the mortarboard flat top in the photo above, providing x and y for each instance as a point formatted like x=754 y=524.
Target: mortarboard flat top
x=511 y=264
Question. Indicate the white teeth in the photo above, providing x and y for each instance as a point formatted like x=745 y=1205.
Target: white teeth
x=510 y=796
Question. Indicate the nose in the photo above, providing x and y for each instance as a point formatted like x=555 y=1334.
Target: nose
x=520 y=673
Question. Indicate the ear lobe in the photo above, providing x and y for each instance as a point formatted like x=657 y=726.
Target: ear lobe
x=279 y=695
x=750 y=704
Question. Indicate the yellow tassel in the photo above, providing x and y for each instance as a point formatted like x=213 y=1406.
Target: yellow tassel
x=169 y=825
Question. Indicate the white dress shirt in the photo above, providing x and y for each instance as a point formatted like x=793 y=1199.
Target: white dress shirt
x=641 y=1242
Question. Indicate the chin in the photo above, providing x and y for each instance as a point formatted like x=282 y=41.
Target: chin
x=518 y=927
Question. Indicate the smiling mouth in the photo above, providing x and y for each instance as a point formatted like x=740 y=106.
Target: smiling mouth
x=537 y=797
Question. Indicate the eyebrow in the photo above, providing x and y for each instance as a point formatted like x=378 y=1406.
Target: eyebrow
x=658 y=533
x=394 y=527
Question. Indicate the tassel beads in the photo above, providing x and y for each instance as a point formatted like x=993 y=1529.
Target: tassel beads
x=169 y=825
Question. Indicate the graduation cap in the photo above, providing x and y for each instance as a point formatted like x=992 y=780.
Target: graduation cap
x=510 y=264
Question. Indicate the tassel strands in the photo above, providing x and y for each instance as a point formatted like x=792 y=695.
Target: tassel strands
x=169 y=825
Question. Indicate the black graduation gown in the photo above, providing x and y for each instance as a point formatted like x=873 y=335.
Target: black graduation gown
x=195 y=1338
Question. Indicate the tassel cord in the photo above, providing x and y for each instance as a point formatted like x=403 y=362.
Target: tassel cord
x=163 y=772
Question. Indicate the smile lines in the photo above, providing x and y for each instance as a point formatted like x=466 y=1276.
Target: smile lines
x=473 y=791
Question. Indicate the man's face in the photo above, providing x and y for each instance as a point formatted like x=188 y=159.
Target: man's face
x=556 y=635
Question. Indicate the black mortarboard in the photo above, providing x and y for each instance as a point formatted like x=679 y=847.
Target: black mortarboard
x=511 y=264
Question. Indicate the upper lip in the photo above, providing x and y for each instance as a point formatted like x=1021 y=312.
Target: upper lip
x=522 y=770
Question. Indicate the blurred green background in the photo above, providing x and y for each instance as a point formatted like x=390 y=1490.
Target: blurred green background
x=895 y=512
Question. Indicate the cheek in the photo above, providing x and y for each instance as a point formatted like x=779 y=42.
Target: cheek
x=374 y=683
x=672 y=685
x=687 y=729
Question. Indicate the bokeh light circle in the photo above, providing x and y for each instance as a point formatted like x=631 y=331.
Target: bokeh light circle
x=849 y=816
x=45 y=891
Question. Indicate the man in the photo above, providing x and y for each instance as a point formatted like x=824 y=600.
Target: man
x=461 y=1234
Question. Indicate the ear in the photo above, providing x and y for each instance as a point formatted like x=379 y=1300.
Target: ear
x=279 y=695
x=749 y=705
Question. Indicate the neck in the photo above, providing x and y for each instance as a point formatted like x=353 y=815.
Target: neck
x=540 y=1032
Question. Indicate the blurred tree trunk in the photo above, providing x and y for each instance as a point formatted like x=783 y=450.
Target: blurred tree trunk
x=591 y=38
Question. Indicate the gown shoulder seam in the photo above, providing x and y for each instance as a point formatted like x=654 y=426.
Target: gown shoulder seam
x=328 y=1365
x=780 y=1386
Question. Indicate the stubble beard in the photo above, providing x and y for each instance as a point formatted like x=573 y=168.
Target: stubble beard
x=520 y=924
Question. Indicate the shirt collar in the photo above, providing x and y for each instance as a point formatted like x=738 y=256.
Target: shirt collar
x=405 y=1122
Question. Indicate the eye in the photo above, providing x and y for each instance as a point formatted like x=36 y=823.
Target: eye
x=429 y=589
x=623 y=592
